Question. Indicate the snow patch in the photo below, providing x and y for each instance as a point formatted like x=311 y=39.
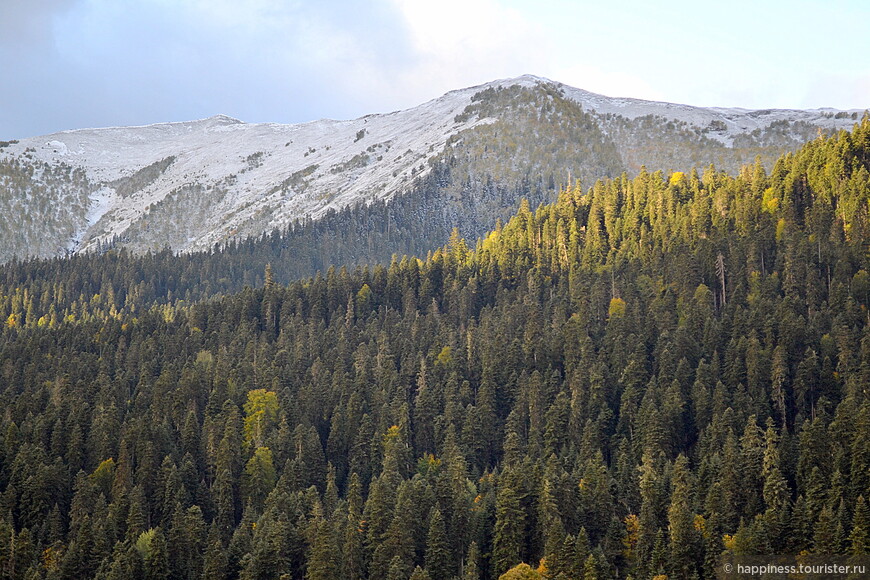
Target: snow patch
x=101 y=202
x=58 y=147
x=286 y=172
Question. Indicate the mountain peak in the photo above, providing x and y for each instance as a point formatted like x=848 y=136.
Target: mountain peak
x=528 y=79
x=224 y=120
x=192 y=184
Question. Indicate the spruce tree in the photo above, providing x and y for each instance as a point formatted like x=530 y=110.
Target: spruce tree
x=471 y=569
x=438 y=559
x=859 y=538
x=683 y=538
x=509 y=529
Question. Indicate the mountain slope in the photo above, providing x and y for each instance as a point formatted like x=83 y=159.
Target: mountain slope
x=194 y=184
x=635 y=381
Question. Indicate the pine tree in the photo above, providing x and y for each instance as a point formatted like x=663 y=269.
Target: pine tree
x=215 y=559
x=824 y=535
x=509 y=526
x=137 y=514
x=268 y=554
x=398 y=543
x=684 y=541
x=648 y=524
x=185 y=541
x=775 y=491
x=352 y=539
x=471 y=570
x=438 y=560
x=420 y=574
x=659 y=560
x=157 y=557
x=859 y=538
x=398 y=569
x=330 y=495
x=550 y=521
x=752 y=465
x=590 y=568
x=323 y=555
x=860 y=456
x=259 y=477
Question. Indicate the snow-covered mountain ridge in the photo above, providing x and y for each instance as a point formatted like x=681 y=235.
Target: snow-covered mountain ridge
x=193 y=184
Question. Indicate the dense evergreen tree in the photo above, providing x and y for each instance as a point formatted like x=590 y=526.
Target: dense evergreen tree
x=630 y=381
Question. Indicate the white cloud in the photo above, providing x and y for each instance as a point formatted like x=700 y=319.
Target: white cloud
x=98 y=62
x=462 y=28
x=464 y=42
x=609 y=83
x=457 y=43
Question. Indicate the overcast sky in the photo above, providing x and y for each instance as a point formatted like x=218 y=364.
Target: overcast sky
x=67 y=64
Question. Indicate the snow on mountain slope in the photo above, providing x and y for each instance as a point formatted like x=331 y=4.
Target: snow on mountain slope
x=735 y=121
x=193 y=184
x=342 y=162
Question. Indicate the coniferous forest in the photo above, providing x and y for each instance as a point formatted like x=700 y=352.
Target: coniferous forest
x=641 y=377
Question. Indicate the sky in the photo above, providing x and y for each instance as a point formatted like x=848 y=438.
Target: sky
x=67 y=64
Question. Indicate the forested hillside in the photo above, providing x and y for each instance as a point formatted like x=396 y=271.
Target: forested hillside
x=466 y=158
x=633 y=380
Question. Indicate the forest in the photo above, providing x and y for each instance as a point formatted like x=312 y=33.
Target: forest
x=633 y=381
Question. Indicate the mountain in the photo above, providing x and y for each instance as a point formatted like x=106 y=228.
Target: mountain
x=643 y=378
x=195 y=184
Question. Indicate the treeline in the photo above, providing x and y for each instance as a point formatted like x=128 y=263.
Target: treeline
x=116 y=282
x=631 y=381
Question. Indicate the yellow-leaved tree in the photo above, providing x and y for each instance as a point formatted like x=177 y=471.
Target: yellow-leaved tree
x=261 y=414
